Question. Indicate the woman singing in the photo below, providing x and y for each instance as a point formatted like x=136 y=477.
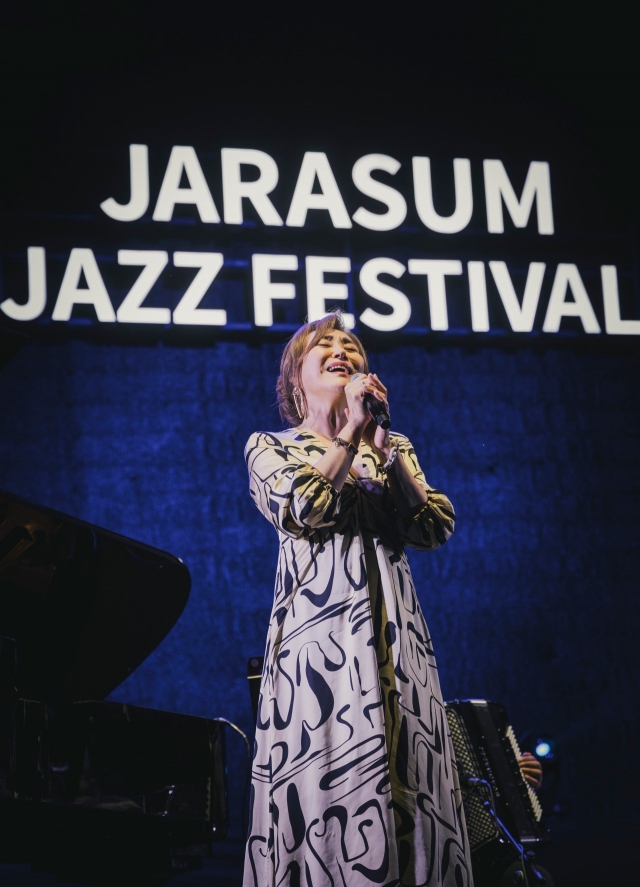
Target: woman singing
x=354 y=779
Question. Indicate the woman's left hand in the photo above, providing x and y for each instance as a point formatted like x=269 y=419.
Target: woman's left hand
x=408 y=494
x=376 y=437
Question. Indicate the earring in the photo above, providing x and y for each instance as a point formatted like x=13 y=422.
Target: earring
x=297 y=399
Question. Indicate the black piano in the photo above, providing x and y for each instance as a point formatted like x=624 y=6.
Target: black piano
x=97 y=791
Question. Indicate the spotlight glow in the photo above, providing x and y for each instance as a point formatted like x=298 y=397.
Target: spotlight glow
x=542 y=749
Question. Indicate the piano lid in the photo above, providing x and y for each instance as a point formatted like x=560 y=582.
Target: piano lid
x=86 y=606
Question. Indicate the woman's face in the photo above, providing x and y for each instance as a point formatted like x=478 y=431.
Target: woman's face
x=327 y=368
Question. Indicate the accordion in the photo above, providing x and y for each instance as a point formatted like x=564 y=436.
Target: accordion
x=486 y=748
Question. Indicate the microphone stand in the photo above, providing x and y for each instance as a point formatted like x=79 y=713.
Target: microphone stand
x=489 y=806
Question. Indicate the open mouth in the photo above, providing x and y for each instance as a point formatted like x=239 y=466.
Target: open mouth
x=339 y=367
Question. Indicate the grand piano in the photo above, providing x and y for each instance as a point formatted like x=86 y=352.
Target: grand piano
x=98 y=791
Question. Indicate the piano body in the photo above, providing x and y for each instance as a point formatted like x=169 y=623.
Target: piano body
x=95 y=790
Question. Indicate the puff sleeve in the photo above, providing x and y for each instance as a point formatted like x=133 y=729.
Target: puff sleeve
x=434 y=523
x=290 y=493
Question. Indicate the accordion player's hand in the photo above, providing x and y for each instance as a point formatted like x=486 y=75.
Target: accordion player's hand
x=531 y=769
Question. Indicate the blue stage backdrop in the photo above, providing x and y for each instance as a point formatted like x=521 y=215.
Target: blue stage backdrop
x=533 y=602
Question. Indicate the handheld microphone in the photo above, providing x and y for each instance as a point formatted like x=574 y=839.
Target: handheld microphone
x=376 y=409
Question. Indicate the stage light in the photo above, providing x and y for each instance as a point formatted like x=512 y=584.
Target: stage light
x=544 y=748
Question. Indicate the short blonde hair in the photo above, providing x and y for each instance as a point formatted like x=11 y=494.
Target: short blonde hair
x=293 y=355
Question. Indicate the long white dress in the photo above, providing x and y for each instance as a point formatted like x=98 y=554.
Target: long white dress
x=354 y=779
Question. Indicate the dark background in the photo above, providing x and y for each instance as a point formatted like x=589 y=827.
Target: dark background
x=534 y=601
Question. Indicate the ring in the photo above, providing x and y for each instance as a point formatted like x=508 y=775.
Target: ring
x=363 y=381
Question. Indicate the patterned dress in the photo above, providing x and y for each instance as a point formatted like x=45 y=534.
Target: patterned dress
x=354 y=780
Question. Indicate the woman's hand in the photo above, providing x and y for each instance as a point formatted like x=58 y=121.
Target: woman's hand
x=359 y=417
x=408 y=495
x=375 y=436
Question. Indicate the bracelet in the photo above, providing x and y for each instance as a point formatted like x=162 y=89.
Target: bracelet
x=340 y=442
x=393 y=455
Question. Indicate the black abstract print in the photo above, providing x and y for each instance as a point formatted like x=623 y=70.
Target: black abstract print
x=354 y=780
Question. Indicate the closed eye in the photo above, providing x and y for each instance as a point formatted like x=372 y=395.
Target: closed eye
x=346 y=344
